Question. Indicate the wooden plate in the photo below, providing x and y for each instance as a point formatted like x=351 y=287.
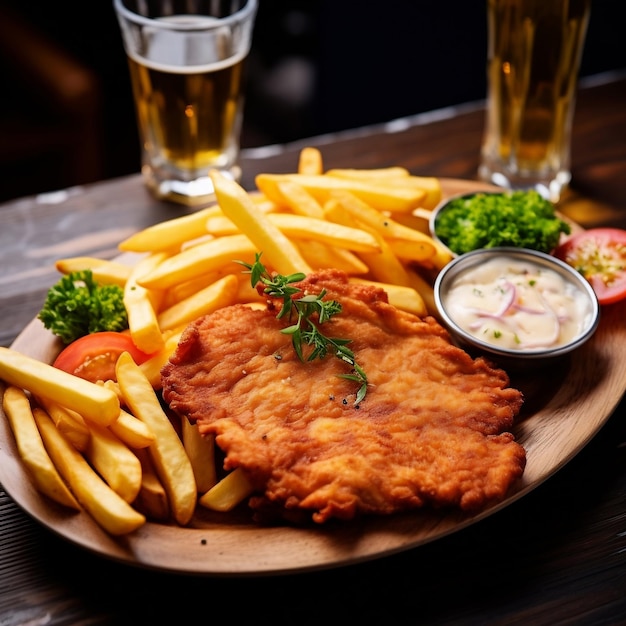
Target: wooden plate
x=562 y=412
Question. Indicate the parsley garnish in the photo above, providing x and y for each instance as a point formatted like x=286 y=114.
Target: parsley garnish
x=306 y=332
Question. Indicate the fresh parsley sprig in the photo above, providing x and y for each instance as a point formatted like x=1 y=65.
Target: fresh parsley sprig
x=305 y=331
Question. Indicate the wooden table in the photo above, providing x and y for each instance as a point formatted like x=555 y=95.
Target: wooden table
x=558 y=555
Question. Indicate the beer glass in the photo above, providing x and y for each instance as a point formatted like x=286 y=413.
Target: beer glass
x=186 y=62
x=533 y=59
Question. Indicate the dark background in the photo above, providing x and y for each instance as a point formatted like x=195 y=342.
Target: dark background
x=66 y=110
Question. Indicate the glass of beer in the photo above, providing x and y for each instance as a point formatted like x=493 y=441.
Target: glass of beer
x=186 y=63
x=533 y=59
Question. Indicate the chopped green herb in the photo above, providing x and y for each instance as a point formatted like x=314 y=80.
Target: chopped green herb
x=521 y=219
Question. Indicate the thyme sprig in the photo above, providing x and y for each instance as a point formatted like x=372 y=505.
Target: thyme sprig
x=305 y=331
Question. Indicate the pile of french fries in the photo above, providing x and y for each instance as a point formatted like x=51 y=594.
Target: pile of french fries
x=109 y=448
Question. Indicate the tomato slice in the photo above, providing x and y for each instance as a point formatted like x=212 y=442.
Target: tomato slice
x=93 y=357
x=599 y=254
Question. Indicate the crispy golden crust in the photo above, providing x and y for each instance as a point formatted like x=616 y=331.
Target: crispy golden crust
x=432 y=429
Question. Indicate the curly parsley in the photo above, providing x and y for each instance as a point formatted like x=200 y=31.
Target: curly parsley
x=77 y=305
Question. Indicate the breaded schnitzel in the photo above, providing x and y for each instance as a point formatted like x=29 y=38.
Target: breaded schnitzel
x=432 y=429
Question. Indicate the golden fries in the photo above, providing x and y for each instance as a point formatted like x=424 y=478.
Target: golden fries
x=92 y=401
x=115 y=462
x=299 y=200
x=104 y=272
x=218 y=294
x=111 y=511
x=310 y=161
x=201 y=259
x=152 y=500
x=170 y=234
x=167 y=452
x=400 y=296
x=420 y=246
x=31 y=447
x=278 y=250
x=152 y=367
x=382 y=196
x=133 y=432
x=201 y=452
x=228 y=492
x=382 y=174
x=399 y=177
x=141 y=305
x=70 y=423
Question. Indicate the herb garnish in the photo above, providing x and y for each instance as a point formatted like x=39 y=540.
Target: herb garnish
x=78 y=305
x=305 y=331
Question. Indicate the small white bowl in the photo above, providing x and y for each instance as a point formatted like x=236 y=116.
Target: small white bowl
x=484 y=329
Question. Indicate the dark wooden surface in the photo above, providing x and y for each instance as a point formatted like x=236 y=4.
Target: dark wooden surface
x=557 y=556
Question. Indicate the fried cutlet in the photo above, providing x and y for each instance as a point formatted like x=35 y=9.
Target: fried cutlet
x=432 y=430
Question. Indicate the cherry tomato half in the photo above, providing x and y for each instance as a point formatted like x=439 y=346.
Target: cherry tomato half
x=93 y=357
x=599 y=254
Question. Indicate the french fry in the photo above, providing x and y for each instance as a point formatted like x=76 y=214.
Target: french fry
x=167 y=452
x=383 y=197
x=278 y=250
x=225 y=495
x=115 y=462
x=152 y=499
x=31 y=449
x=201 y=452
x=141 y=306
x=299 y=227
x=112 y=386
x=420 y=247
x=221 y=253
x=170 y=234
x=399 y=177
x=379 y=174
x=221 y=226
x=299 y=200
x=425 y=290
x=408 y=251
x=92 y=401
x=188 y=288
x=417 y=220
x=132 y=431
x=246 y=293
x=384 y=266
x=221 y=293
x=107 y=508
x=152 y=367
x=104 y=272
x=405 y=298
x=310 y=161
x=320 y=255
x=430 y=185
x=70 y=423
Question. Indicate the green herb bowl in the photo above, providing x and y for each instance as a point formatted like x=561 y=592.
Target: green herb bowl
x=546 y=273
x=489 y=219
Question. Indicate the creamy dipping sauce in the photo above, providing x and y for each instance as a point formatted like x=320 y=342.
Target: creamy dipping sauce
x=517 y=305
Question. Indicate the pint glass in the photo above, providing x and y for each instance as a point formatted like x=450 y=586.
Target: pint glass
x=186 y=63
x=533 y=59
